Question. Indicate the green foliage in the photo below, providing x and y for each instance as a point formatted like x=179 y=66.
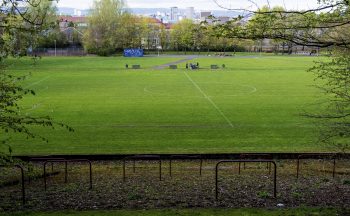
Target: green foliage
x=183 y=34
x=110 y=28
x=164 y=37
x=186 y=36
x=18 y=32
x=134 y=196
x=335 y=118
x=132 y=30
x=12 y=120
x=297 y=195
x=263 y=194
x=325 y=26
x=315 y=27
x=19 y=28
x=71 y=24
x=53 y=38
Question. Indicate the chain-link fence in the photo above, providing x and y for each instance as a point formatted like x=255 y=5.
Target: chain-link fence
x=59 y=52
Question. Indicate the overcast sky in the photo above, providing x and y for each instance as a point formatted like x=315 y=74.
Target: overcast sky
x=197 y=4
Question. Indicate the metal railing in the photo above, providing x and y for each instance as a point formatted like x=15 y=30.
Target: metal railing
x=186 y=157
x=315 y=157
x=245 y=161
x=66 y=169
x=22 y=180
x=142 y=157
x=58 y=52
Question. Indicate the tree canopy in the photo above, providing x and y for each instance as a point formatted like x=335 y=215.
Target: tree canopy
x=314 y=27
x=21 y=21
x=326 y=26
x=106 y=32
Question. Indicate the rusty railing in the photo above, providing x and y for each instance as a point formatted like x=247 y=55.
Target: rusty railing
x=141 y=157
x=22 y=180
x=186 y=157
x=66 y=169
x=246 y=161
x=315 y=157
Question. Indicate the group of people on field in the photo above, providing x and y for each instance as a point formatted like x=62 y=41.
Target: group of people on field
x=192 y=66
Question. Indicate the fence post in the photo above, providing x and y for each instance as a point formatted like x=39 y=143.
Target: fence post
x=245 y=161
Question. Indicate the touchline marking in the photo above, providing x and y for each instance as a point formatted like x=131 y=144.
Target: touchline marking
x=37 y=82
x=210 y=100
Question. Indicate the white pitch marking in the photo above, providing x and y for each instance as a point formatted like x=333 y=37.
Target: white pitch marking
x=155 y=94
x=252 y=87
x=37 y=82
x=210 y=100
x=147 y=91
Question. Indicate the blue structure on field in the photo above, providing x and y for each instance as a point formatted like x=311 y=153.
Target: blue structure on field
x=133 y=52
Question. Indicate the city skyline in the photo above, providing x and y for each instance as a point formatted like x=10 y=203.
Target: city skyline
x=197 y=4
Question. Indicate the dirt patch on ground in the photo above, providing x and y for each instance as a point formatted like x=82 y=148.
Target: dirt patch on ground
x=184 y=189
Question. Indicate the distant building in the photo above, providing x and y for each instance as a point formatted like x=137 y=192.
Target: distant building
x=72 y=27
x=204 y=15
x=152 y=40
x=189 y=13
x=223 y=19
x=174 y=14
x=72 y=21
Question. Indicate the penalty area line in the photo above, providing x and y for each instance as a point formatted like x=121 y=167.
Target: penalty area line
x=209 y=99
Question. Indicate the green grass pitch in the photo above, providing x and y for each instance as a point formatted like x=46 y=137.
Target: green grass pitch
x=252 y=105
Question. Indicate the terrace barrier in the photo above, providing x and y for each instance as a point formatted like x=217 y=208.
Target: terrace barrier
x=186 y=157
x=43 y=159
x=246 y=161
x=142 y=157
x=66 y=169
x=316 y=156
x=22 y=180
x=255 y=156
